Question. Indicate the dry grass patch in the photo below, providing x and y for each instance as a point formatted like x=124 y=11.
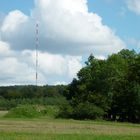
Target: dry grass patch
x=44 y=126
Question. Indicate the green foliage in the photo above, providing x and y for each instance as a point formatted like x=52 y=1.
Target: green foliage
x=65 y=110
x=25 y=111
x=6 y=104
x=32 y=111
x=88 y=111
x=51 y=111
x=22 y=92
x=81 y=111
x=111 y=88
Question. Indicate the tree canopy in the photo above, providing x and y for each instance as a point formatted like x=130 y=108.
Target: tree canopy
x=104 y=89
x=109 y=88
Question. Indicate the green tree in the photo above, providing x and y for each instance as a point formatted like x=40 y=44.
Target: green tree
x=111 y=85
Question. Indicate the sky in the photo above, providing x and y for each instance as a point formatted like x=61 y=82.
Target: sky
x=69 y=31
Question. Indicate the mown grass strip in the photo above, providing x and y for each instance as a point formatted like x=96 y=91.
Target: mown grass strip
x=32 y=136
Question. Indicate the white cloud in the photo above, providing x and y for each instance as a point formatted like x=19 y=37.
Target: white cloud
x=73 y=66
x=13 y=69
x=19 y=67
x=65 y=26
x=134 y=6
x=67 y=31
x=55 y=64
x=15 y=72
x=60 y=83
x=101 y=57
x=13 y=21
x=4 y=49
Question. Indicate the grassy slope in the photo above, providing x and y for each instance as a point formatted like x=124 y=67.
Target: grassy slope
x=47 y=129
x=50 y=129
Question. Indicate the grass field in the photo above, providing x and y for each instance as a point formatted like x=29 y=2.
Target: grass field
x=57 y=129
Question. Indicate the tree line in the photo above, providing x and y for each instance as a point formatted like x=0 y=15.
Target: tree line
x=12 y=96
x=30 y=91
x=104 y=89
x=107 y=89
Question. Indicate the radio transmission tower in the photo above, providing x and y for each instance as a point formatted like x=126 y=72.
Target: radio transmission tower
x=36 y=47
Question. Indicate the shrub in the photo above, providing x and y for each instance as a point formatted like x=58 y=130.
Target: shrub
x=51 y=111
x=8 y=104
x=32 y=111
x=88 y=111
x=65 y=111
x=81 y=111
x=24 y=111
